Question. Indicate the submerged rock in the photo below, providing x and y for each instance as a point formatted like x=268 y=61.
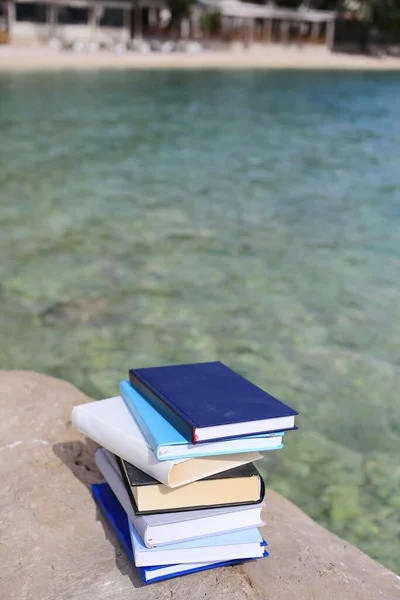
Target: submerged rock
x=69 y=313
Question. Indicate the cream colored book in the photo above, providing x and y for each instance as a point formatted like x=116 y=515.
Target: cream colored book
x=110 y=424
x=172 y=527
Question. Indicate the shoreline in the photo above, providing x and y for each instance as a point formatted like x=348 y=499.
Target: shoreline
x=267 y=57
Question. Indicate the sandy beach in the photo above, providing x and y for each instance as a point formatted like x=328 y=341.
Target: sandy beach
x=267 y=57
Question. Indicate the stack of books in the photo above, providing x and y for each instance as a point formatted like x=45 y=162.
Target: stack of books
x=182 y=492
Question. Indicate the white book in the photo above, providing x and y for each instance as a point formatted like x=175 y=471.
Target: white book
x=169 y=528
x=157 y=573
x=223 y=547
x=110 y=424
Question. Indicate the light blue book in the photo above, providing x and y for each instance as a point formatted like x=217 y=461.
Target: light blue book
x=169 y=444
x=216 y=548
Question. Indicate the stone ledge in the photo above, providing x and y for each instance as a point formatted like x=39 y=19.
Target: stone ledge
x=54 y=545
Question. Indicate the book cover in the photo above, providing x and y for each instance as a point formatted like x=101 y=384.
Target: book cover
x=110 y=424
x=116 y=517
x=224 y=546
x=209 y=401
x=168 y=528
x=169 y=444
x=132 y=476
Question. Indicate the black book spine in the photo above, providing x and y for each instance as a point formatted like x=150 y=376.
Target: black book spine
x=127 y=484
x=128 y=487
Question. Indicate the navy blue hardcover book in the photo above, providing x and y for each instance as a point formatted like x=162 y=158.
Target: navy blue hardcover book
x=209 y=401
x=117 y=518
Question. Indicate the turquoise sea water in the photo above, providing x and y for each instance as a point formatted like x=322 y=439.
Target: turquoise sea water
x=166 y=217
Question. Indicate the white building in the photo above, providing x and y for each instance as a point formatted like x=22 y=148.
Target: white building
x=268 y=23
x=103 y=21
x=84 y=20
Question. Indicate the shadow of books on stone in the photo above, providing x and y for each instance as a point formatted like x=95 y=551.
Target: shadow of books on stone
x=79 y=458
x=124 y=565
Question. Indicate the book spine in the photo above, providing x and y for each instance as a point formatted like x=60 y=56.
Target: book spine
x=143 y=575
x=127 y=484
x=121 y=490
x=262 y=489
x=111 y=522
x=133 y=450
x=164 y=409
x=138 y=417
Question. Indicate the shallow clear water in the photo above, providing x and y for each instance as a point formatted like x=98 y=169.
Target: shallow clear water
x=165 y=217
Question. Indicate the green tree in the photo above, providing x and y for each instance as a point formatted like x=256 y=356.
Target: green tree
x=384 y=15
x=180 y=9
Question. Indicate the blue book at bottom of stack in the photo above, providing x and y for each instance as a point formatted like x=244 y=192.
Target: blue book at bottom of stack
x=117 y=518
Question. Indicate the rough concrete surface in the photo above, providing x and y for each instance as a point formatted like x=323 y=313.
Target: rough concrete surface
x=55 y=546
